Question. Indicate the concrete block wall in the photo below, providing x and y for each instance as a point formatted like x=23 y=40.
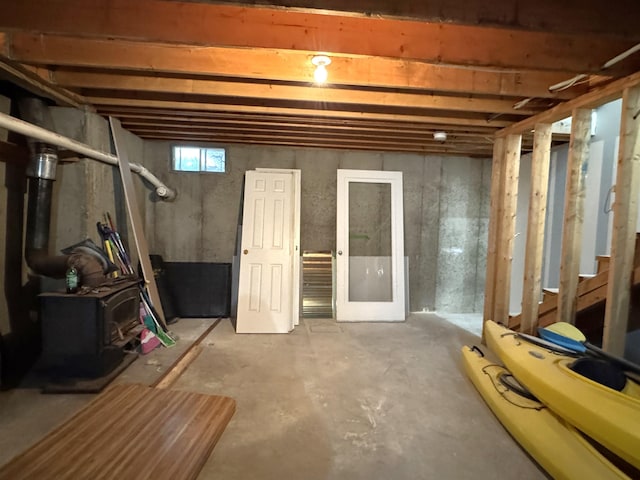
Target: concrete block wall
x=445 y=207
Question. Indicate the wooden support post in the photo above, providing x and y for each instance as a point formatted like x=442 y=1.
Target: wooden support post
x=625 y=217
x=507 y=214
x=535 y=229
x=577 y=164
x=494 y=228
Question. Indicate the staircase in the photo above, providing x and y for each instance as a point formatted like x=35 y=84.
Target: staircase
x=592 y=294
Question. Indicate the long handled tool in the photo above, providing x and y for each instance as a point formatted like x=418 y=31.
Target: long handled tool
x=570 y=337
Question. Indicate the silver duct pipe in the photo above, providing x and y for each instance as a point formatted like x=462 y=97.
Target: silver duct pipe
x=33 y=131
x=41 y=172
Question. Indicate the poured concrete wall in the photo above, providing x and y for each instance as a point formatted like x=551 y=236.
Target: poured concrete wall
x=82 y=192
x=445 y=212
x=85 y=189
x=463 y=224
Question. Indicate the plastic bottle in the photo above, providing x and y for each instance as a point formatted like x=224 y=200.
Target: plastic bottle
x=72 y=280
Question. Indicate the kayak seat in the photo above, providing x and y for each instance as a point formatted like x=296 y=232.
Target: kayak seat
x=600 y=371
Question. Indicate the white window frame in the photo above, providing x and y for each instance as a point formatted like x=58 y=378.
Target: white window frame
x=202 y=168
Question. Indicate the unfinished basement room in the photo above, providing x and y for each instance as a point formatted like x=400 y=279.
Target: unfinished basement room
x=319 y=240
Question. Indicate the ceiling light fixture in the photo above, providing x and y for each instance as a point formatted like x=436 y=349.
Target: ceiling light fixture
x=321 y=62
x=440 y=136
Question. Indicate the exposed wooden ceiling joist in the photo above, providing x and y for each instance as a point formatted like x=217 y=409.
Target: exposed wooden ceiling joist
x=206 y=71
x=597 y=97
x=231 y=25
x=222 y=117
x=325 y=143
x=100 y=102
x=267 y=92
x=577 y=16
x=277 y=65
x=27 y=80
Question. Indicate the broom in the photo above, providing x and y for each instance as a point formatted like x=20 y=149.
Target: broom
x=151 y=322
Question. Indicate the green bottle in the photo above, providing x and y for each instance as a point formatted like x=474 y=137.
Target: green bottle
x=72 y=280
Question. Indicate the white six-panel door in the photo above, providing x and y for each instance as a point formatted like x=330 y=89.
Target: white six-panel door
x=297 y=260
x=266 y=256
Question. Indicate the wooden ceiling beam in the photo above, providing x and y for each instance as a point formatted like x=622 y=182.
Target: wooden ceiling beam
x=379 y=140
x=583 y=16
x=203 y=23
x=232 y=118
x=595 y=98
x=323 y=144
x=277 y=65
x=389 y=129
x=303 y=112
x=262 y=91
x=27 y=80
x=354 y=135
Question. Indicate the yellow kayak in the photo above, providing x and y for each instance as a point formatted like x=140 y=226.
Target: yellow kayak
x=610 y=417
x=557 y=446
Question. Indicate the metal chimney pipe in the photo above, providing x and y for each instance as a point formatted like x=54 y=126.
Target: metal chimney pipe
x=42 y=173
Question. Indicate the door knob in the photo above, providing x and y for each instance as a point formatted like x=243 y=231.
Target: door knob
x=245 y=251
x=339 y=252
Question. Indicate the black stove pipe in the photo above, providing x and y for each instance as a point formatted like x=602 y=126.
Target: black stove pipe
x=41 y=172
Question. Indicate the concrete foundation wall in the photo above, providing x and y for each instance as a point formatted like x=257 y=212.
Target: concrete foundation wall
x=85 y=189
x=462 y=234
x=445 y=203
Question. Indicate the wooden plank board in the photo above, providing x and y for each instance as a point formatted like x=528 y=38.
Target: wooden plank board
x=625 y=214
x=535 y=228
x=168 y=378
x=603 y=262
x=135 y=219
x=129 y=431
x=574 y=213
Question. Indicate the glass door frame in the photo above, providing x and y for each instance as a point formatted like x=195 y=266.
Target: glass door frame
x=349 y=311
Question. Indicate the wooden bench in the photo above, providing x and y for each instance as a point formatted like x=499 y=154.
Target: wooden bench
x=129 y=432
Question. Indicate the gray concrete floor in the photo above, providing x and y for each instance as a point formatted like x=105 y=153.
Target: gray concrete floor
x=328 y=401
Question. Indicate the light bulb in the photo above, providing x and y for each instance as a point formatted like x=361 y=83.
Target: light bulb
x=320 y=75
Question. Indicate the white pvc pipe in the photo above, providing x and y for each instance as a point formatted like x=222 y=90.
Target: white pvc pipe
x=622 y=56
x=39 y=133
x=572 y=81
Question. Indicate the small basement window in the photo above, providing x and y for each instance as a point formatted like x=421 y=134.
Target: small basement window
x=198 y=159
